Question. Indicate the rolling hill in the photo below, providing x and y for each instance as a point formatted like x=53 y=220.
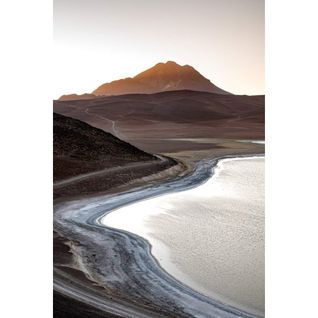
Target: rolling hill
x=149 y=121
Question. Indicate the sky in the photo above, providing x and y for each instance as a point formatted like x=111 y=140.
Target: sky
x=98 y=41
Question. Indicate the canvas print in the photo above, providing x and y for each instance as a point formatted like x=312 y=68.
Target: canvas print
x=159 y=150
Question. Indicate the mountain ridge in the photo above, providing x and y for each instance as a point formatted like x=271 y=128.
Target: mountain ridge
x=67 y=97
x=161 y=77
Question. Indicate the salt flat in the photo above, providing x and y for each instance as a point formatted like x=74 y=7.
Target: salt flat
x=210 y=237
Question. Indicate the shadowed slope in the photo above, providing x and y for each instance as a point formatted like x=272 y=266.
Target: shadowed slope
x=80 y=148
x=88 y=160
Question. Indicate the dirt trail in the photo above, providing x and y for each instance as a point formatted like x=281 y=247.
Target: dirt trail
x=105 y=171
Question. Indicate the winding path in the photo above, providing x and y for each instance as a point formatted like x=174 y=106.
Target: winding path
x=103 y=172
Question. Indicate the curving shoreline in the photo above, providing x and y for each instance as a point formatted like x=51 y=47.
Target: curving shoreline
x=210 y=237
x=120 y=261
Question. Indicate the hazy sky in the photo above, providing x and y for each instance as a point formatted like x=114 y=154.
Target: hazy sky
x=97 y=41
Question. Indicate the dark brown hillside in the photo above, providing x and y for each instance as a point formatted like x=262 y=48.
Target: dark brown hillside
x=80 y=148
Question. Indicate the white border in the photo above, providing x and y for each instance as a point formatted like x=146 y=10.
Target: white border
x=26 y=152
x=291 y=161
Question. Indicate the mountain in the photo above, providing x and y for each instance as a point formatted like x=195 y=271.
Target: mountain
x=162 y=77
x=77 y=97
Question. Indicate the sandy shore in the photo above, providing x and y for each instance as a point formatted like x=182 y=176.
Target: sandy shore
x=127 y=279
x=211 y=237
